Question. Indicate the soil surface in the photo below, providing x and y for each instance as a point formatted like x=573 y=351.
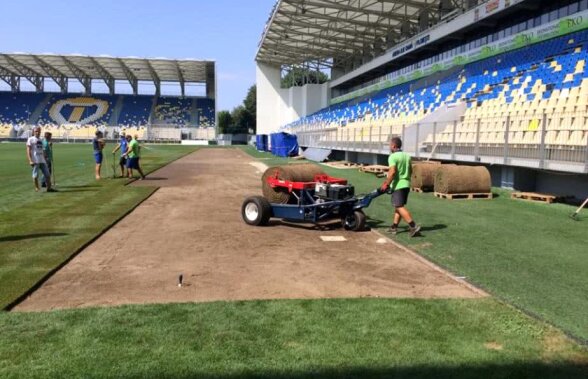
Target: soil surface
x=192 y=226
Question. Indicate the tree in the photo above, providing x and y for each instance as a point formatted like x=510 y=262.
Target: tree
x=243 y=121
x=225 y=122
x=299 y=76
x=250 y=102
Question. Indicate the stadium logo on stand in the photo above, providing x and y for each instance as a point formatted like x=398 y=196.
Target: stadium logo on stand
x=78 y=110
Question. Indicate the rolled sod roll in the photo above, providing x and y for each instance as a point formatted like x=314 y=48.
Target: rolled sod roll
x=423 y=175
x=462 y=179
x=294 y=173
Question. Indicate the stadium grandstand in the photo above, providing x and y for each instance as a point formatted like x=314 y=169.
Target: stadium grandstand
x=73 y=96
x=502 y=83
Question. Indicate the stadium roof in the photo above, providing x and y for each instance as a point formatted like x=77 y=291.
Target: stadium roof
x=109 y=69
x=299 y=31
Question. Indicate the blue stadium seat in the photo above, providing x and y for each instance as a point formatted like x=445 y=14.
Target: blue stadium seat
x=523 y=83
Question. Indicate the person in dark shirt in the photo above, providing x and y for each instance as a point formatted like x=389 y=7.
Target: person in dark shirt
x=48 y=150
x=98 y=145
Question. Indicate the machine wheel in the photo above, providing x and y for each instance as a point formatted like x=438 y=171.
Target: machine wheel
x=256 y=211
x=354 y=221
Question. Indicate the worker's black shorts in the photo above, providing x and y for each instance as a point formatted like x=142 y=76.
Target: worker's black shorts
x=400 y=197
x=122 y=161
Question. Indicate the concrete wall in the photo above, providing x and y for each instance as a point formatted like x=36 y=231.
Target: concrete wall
x=269 y=98
x=315 y=98
x=563 y=184
x=277 y=107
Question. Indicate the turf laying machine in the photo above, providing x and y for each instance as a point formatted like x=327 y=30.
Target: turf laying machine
x=304 y=193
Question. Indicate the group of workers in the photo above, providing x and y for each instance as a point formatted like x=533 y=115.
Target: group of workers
x=130 y=154
x=40 y=157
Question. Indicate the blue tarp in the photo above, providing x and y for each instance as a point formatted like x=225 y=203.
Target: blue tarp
x=261 y=142
x=316 y=155
x=284 y=144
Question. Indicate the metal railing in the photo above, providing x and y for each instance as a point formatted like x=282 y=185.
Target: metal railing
x=149 y=133
x=554 y=141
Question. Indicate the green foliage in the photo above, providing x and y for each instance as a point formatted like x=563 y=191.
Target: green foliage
x=299 y=76
x=39 y=231
x=243 y=118
x=359 y=338
x=225 y=121
x=250 y=102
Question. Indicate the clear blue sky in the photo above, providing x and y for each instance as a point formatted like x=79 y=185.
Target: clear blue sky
x=224 y=30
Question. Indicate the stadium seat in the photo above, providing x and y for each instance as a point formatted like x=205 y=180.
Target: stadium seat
x=78 y=116
x=547 y=78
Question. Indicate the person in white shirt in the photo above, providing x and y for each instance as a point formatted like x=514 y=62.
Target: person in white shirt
x=37 y=159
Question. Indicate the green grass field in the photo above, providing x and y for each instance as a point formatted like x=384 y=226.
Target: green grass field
x=481 y=338
x=288 y=339
x=39 y=231
x=531 y=255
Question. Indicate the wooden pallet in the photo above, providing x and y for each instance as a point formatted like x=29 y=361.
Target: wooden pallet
x=376 y=169
x=533 y=196
x=343 y=165
x=464 y=196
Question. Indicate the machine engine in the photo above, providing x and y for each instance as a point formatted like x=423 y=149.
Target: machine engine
x=328 y=191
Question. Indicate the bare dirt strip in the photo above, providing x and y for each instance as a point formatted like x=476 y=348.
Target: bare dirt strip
x=192 y=226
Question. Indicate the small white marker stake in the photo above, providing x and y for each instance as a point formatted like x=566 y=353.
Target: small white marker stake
x=333 y=239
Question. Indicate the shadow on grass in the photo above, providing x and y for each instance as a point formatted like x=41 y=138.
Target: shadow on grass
x=30 y=236
x=375 y=224
x=152 y=178
x=66 y=190
x=514 y=370
x=78 y=187
x=432 y=228
x=424 y=228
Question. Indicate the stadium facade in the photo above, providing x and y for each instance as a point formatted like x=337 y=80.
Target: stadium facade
x=72 y=96
x=501 y=83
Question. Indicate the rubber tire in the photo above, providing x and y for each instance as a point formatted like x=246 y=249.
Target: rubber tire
x=264 y=210
x=354 y=221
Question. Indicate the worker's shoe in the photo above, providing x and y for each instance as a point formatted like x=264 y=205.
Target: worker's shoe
x=413 y=232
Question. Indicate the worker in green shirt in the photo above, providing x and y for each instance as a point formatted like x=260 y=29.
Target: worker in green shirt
x=133 y=156
x=398 y=181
